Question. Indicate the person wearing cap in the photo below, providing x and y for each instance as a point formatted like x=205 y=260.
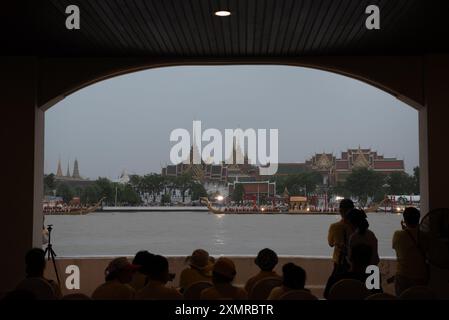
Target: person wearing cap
x=158 y=276
x=338 y=236
x=199 y=270
x=266 y=260
x=223 y=273
x=140 y=277
x=118 y=275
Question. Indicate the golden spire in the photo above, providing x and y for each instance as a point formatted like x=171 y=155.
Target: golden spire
x=59 y=171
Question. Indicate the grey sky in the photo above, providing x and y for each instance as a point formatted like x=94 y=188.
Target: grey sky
x=125 y=122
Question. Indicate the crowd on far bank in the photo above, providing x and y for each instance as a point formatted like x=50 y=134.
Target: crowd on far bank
x=148 y=277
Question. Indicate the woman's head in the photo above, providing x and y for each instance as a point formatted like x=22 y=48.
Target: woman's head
x=294 y=277
x=357 y=219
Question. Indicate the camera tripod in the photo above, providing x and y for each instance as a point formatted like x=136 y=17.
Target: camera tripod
x=50 y=253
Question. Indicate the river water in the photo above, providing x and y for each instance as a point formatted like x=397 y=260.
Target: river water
x=179 y=233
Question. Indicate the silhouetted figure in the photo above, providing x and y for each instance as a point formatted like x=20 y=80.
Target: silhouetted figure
x=266 y=260
x=200 y=269
x=338 y=237
x=158 y=276
x=35 y=282
x=140 y=277
x=411 y=263
x=362 y=235
x=360 y=258
x=223 y=273
x=293 y=278
x=118 y=275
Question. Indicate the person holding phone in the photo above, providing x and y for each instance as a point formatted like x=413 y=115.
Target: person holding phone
x=411 y=263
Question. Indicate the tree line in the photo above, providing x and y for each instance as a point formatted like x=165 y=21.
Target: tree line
x=133 y=193
x=362 y=184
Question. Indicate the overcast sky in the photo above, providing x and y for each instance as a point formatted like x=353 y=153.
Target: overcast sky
x=125 y=122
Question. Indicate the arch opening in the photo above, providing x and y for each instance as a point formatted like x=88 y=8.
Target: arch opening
x=266 y=124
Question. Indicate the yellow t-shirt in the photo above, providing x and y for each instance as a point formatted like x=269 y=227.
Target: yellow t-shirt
x=191 y=275
x=278 y=292
x=156 y=290
x=410 y=261
x=224 y=292
x=113 y=290
x=261 y=275
x=338 y=237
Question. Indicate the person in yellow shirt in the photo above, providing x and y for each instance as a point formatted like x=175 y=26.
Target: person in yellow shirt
x=266 y=260
x=156 y=288
x=338 y=236
x=200 y=269
x=223 y=274
x=411 y=263
x=118 y=275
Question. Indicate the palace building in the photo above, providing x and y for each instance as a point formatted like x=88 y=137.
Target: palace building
x=333 y=169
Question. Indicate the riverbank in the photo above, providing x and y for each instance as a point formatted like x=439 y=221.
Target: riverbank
x=155 y=209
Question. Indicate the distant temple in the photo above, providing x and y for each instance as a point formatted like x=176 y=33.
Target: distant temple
x=75 y=176
x=333 y=170
x=215 y=173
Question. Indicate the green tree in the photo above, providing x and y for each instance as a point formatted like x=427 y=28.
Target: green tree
x=238 y=193
x=152 y=184
x=299 y=184
x=126 y=195
x=106 y=189
x=399 y=183
x=166 y=198
x=65 y=191
x=49 y=184
x=90 y=194
x=416 y=187
x=198 y=191
x=136 y=182
x=364 y=183
x=183 y=183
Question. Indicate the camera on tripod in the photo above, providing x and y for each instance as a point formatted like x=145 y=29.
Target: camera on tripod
x=50 y=253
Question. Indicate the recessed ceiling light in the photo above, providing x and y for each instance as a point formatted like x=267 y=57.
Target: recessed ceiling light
x=223 y=13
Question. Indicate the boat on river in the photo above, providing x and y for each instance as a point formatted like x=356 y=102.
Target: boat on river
x=72 y=210
x=257 y=209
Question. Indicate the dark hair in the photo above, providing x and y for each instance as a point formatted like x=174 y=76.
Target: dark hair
x=294 y=277
x=266 y=259
x=157 y=267
x=143 y=259
x=358 y=219
x=219 y=278
x=411 y=216
x=346 y=204
x=35 y=262
x=361 y=254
